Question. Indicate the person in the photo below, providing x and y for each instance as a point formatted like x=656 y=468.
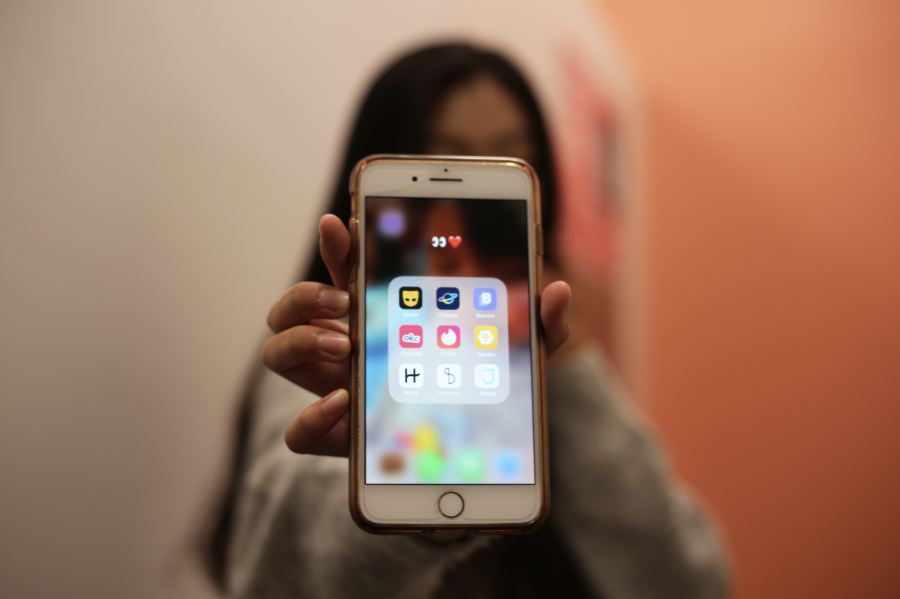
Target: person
x=620 y=527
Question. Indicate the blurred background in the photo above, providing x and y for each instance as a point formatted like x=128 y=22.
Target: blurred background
x=728 y=169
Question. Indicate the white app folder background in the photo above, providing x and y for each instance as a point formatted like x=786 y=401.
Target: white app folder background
x=467 y=356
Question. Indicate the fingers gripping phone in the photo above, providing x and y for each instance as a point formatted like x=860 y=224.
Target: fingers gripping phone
x=448 y=409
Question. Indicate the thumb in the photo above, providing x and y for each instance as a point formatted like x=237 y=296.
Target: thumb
x=334 y=245
x=555 y=314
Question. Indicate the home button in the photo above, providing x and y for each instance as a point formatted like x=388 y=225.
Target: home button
x=451 y=504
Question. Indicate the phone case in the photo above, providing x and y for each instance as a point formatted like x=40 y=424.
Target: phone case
x=355 y=374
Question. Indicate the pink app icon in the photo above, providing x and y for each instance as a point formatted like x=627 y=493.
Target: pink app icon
x=411 y=335
x=448 y=336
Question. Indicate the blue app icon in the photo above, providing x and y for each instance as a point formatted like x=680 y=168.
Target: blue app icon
x=485 y=298
x=448 y=298
x=508 y=464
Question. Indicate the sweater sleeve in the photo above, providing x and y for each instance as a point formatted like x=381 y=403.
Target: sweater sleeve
x=635 y=533
x=293 y=535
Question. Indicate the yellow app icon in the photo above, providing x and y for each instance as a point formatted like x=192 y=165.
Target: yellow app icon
x=411 y=298
x=486 y=337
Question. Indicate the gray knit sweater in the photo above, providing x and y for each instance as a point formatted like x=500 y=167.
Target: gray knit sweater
x=633 y=532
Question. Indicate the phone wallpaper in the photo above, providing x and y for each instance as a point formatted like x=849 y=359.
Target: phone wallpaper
x=448 y=355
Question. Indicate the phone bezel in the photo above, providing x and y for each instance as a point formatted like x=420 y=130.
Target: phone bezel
x=413 y=508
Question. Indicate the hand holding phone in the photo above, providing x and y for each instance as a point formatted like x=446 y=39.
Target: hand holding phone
x=462 y=307
x=300 y=320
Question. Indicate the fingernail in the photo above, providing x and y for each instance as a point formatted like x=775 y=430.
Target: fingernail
x=333 y=299
x=334 y=344
x=336 y=402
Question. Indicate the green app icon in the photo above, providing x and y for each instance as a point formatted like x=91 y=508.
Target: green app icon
x=470 y=465
x=430 y=466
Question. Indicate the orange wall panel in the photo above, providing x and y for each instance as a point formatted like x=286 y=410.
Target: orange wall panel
x=774 y=275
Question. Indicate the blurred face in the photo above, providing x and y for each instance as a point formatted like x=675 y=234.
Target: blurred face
x=477 y=118
x=481 y=118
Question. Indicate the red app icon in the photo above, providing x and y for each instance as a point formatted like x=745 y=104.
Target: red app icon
x=448 y=336
x=410 y=335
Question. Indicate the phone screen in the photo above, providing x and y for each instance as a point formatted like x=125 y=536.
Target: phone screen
x=448 y=366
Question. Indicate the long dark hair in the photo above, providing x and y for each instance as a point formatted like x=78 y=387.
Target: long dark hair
x=393 y=119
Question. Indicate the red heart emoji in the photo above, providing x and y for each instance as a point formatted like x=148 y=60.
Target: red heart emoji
x=455 y=241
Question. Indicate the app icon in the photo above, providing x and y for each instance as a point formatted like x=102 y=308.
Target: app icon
x=449 y=376
x=430 y=466
x=508 y=464
x=425 y=438
x=448 y=298
x=411 y=375
x=410 y=298
x=410 y=335
x=487 y=376
x=392 y=463
x=485 y=298
x=486 y=337
x=391 y=223
x=448 y=336
x=470 y=465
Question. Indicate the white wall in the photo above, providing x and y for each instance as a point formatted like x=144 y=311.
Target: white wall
x=161 y=168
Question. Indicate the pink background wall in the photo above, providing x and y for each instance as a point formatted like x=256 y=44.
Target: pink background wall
x=773 y=131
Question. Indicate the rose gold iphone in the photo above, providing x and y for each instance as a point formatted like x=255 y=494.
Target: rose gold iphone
x=448 y=411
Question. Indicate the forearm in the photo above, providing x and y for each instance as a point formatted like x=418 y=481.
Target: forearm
x=634 y=531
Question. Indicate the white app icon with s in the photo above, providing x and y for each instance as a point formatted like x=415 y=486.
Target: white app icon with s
x=449 y=376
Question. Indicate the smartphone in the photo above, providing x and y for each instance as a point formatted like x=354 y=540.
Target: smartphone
x=448 y=408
